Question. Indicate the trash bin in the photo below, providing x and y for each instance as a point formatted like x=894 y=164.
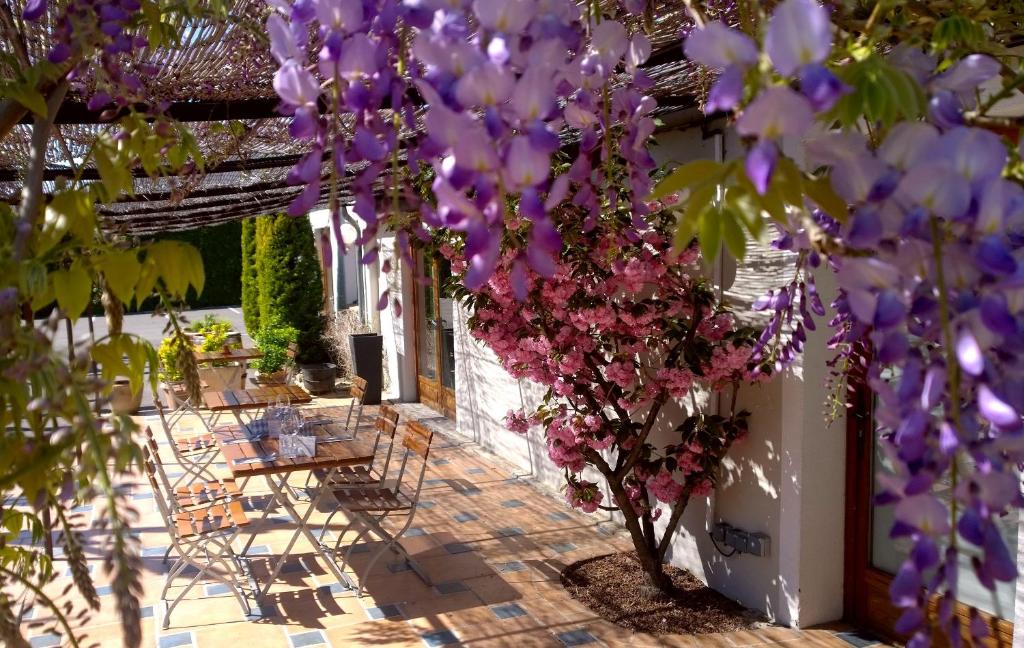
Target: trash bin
x=368 y=363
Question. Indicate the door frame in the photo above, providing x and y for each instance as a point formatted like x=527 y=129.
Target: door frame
x=866 y=601
x=431 y=393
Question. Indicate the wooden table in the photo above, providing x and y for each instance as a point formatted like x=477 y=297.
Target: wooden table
x=237 y=401
x=243 y=460
x=231 y=355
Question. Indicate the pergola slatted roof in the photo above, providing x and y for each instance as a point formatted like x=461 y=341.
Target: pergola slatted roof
x=219 y=78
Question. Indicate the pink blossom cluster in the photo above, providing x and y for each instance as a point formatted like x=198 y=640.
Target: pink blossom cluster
x=516 y=421
x=664 y=487
x=677 y=381
x=584 y=495
x=728 y=362
x=605 y=334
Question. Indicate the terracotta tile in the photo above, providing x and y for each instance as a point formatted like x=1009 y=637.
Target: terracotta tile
x=680 y=641
x=763 y=636
x=242 y=633
x=432 y=607
x=393 y=634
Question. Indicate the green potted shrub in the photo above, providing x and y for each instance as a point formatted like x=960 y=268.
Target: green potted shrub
x=221 y=375
x=172 y=382
x=273 y=340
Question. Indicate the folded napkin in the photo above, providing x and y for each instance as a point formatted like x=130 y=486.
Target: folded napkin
x=256 y=429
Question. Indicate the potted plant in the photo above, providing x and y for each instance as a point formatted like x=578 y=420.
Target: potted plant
x=122 y=399
x=172 y=384
x=273 y=340
x=223 y=374
x=318 y=373
x=211 y=324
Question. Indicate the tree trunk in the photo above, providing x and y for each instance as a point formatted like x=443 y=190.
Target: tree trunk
x=657 y=582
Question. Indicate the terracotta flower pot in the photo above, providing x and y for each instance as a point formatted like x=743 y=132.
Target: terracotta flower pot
x=123 y=400
x=279 y=377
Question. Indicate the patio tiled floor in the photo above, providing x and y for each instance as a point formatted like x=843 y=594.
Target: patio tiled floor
x=492 y=545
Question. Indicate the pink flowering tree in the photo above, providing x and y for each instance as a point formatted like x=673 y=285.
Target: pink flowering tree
x=623 y=326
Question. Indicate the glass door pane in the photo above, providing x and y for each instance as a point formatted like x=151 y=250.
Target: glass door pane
x=447 y=323
x=887 y=554
x=426 y=321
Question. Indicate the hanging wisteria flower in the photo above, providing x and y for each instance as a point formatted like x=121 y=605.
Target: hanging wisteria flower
x=799 y=33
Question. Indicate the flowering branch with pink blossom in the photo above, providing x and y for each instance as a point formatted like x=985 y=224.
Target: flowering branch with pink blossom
x=622 y=327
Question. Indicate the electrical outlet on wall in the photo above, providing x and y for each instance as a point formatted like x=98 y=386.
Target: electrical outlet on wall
x=748 y=542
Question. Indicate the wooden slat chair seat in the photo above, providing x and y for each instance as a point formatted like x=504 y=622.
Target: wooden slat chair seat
x=193 y=445
x=201 y=536
x=370 y=506
x=368 y=474
x=205 y=493
x=376 y=500
x=205 y=520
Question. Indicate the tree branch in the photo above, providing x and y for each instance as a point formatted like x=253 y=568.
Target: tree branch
x=673 y=523
x=32 y=192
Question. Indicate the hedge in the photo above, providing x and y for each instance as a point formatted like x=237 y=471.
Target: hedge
x=222 y=262
x=250 y=277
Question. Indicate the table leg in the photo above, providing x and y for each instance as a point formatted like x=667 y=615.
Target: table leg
x=257 y=527
x=302 y=523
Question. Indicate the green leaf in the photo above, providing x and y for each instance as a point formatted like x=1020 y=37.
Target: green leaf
x=110 y=357
x=735 y=239
x=121 y=269
x=691 y=175
x=73 y=288
x=710 y=234
x=691 y=214
x=76 y=208
x=117 y=179
x=27 y=95
x=821 y=192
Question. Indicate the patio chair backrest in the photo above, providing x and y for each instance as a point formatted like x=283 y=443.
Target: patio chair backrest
x=387 y=425
x=152 y=450
x=416 y=442
x=418 y=438
x=155 y=473
x=358 y=389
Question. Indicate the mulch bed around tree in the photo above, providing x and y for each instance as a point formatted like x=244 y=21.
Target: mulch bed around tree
x=612 y=586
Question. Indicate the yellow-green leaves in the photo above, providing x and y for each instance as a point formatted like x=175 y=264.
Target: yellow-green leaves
x=881 y=93
x=959 y=30
x=691 y=176
x=125 y=356
x=720 y=204
x=121 y=271
x=73 y=289
x=70 y=212
x=177 y=264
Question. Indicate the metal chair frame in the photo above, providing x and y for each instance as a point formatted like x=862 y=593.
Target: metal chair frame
x=195 y=461
x=201 y=548
x=384 y=502
x=387 y=425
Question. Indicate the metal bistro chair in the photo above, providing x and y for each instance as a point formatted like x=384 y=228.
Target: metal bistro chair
x=358 y=392
x=370 y=506
x=202 y=536
x=367 y=474
x=196 y=493
x=194 y=453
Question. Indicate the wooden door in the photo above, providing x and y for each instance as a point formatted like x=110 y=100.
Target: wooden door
x=435 y=335
x=872 y=557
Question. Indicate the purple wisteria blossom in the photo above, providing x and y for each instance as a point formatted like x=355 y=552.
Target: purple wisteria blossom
x=799 y=34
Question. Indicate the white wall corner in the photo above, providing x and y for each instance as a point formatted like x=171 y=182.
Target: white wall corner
x=811 y=538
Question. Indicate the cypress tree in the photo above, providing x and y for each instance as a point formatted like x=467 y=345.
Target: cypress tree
x=250 y=278
x=290 y=284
